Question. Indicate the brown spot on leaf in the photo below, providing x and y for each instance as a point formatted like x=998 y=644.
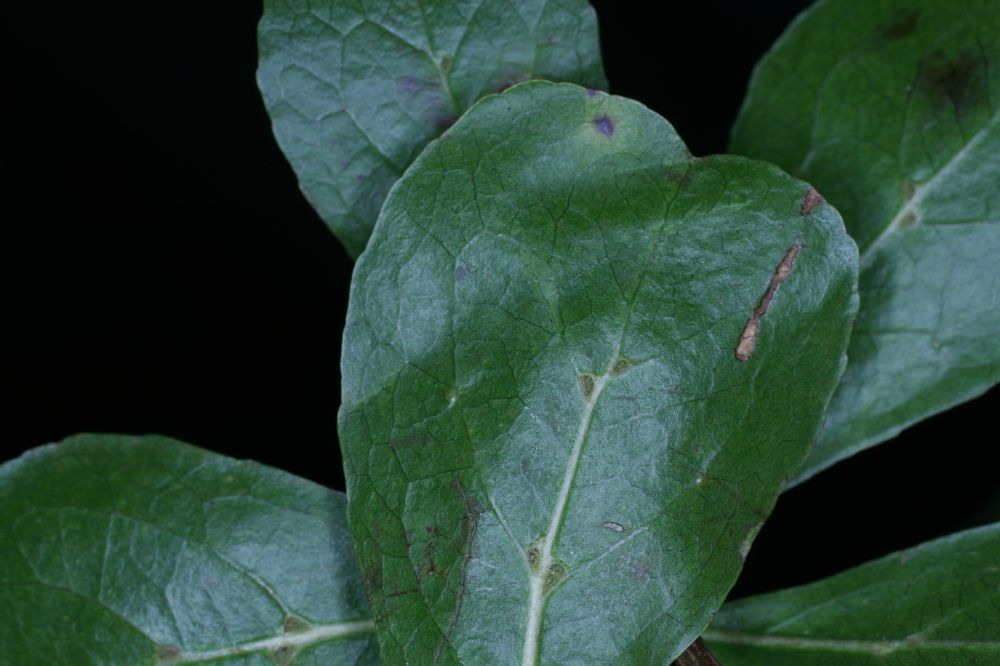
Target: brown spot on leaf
x=748 y=339
x=293 y=624
x=908 y=220
x=164 y=652
x=620 y=367
x=587 y=385
x=556 y=572
x=810 y=201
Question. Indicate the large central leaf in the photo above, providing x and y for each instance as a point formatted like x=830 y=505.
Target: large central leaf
x=578 y=366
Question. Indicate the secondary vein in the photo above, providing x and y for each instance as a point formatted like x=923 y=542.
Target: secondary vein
x=316 y=634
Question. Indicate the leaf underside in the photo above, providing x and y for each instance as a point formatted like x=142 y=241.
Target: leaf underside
x=938 y=603
x=147 y=551
x=553 y=452
x=355 y=90
x=890 y=109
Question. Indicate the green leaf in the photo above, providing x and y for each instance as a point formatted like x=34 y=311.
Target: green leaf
x=890 y=109
x=355 y=90
x=553 y=452
x=144 y=550
x=938 y=603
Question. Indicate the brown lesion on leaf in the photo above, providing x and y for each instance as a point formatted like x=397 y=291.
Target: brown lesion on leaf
x=293 y=624
x=284 y=655
x=534 y=557
x=587 y=384
x=620 y=366
x=167 y=652
x=811 y=199
x=748 y=339
x=555 y=573
x=908 y=220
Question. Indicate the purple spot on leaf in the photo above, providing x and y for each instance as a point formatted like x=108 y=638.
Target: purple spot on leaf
x=605 y=125
x=409 y=85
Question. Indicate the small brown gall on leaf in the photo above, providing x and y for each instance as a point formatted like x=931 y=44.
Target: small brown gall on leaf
x=810 y=201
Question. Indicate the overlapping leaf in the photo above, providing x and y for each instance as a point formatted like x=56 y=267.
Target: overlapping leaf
x=890 y=108
x=578 y=366
x=143 y=551
x=356 y=89
x=936 y=604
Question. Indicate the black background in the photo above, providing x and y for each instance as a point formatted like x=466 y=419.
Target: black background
x=161 y=273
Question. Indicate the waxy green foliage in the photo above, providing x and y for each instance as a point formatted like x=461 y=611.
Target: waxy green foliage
x=553 y=452
x=146 y=551
x=938 y=603
x=890 y=108
x=356 y=89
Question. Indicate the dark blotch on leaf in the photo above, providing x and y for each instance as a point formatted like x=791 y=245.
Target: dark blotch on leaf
x=587 y=385
x=959 y=82
x=902 y=25
x=605 y=125
x=444 y=122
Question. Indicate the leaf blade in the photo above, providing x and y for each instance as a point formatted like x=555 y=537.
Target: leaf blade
x=888 y=111
x=937 y=601
x=355 y=93
x=149 y=551
x=543 y=302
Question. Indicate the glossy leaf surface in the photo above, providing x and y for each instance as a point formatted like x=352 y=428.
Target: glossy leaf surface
x=553 y=452
x=356 y=89
x=129 y=550
x=938 y=603
x=890 y=108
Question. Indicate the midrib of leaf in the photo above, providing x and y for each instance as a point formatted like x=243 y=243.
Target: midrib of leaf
x=536 y=607
x=876 y=647
x=912 y=206
x=316 y=634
